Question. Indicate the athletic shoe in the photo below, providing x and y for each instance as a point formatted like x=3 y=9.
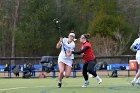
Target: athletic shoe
x=137 y=82
x=99 y=80
x=59 y=85
x=86 y=83
x=133 y=82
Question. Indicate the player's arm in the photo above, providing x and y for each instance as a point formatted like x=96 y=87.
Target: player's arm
x=69 y=53
x=59 y=44
x=133 y=48
x=81 y=51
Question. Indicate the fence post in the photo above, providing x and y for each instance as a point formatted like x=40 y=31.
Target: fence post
x=129 y=69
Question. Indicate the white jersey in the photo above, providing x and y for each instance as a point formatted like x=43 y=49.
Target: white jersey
x=66 y=47
x=137 y=45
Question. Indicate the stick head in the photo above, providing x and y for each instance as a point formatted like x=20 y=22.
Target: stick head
x=56 y=20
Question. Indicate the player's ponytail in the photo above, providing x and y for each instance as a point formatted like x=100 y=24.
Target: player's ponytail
x=87 y=35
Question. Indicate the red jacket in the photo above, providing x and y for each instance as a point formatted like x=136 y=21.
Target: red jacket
x=88 y=54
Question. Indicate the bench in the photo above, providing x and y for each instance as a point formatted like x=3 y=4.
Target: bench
x=38 y=68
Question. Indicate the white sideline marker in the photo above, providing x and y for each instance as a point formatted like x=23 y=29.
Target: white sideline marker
x=4 y=89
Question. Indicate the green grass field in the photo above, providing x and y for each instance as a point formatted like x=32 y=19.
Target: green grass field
x=70 y=85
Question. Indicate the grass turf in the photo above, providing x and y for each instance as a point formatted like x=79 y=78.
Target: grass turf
x=70 y=85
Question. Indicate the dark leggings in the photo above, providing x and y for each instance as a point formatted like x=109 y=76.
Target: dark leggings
x=89 y=67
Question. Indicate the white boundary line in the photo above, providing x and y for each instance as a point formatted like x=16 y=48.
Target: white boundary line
x=13 y=88
x=16 y=88
x=4 y=89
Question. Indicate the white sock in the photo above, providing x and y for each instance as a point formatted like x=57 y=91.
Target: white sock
x=86 y=81
x=59 y=81
x=138 y=80
x=135 y=79
x=97 y=77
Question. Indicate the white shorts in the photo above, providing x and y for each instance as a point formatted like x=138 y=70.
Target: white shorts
x=138 y=59
x=66 y=61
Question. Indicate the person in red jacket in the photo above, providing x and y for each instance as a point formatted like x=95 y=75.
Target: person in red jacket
x=89 y=59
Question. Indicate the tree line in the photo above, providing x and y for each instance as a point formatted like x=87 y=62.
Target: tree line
x=29 y=28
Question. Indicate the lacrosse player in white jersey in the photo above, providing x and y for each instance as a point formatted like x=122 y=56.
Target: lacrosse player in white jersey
x=136 y=48
x=64 y=59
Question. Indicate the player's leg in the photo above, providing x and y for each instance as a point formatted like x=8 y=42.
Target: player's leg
x=85 y=75
x=133 y=82
x=91 y=69
x=67 y=71
x=61 y=71
x=138 y=74
x=137 y=78
x=138 y=81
